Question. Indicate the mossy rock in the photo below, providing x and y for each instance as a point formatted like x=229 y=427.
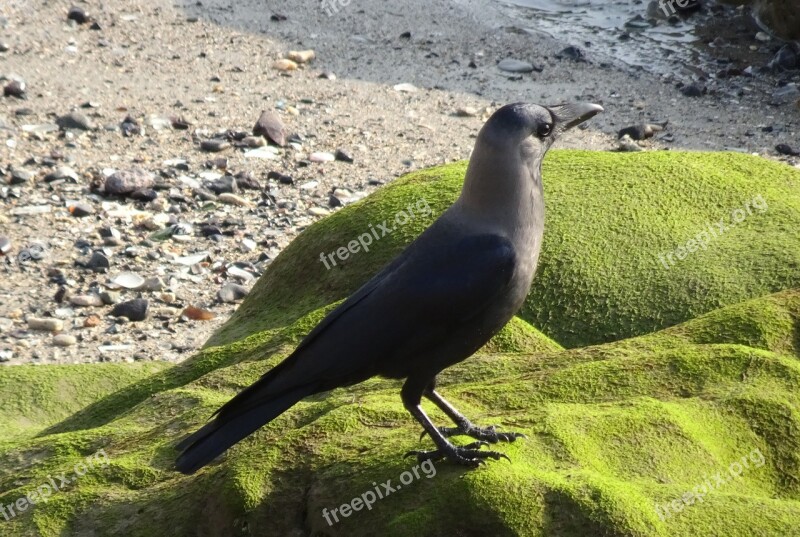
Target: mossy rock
x=617 y=432
x=614 y=431
x=604 y=273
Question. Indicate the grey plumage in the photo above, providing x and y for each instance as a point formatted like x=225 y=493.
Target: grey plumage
x=433 y=306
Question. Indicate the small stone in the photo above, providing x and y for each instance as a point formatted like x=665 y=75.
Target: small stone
x=267 y=152
x=318 y=211
x=214 y=145
x=74 y=121
x=45 y=324
x=301 y=56
x=20 y=176
x=134 y=310
x=254 y=141
x=284 y=65
x=572 y=53
x=110 y=298
x=5 y=245
x=321 y=156
x=81 y=210
x=130 y=127
x=694 y=89
x=86 y=301
x=271 y=127
x=232 y=292
x=125 y=182
x=77 y=14
x=515 y=66
x=281 y=178
x=627 y=144
x=98 y=262
x=763 y=37
x=233 y=199
x=91 y=321
x=15 y=88
x=179 y=123
x=640 y=132
x=343 y=155
x=64 y=340
x=405 y=88
x=787 y=58
x=309 y=186
x=785 y=149
x=197 y=314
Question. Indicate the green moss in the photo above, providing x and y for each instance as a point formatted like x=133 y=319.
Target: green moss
x=614 y=429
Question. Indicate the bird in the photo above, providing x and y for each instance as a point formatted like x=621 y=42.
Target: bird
x=439 y=301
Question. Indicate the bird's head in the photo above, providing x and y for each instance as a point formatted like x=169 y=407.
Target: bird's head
x=534 y=127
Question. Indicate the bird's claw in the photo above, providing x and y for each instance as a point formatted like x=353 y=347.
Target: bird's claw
x=487 y=434
x=468 y=455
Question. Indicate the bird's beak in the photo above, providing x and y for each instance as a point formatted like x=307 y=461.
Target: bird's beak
x=573 y=114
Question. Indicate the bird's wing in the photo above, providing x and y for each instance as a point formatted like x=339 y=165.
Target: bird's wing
x=414 y=303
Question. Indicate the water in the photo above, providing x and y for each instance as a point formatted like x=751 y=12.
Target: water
x=634 y=33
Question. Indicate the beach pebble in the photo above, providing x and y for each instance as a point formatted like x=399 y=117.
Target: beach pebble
x=86 y=301
x=515 y=66
x=232 y=292
x=128 y=280
x=301 y=56
x=45 y=324
x=284 y=64
x=64 y=340
x=134 y=310
x=125 y=182
x=75 y=121
x=15 y=88
x=197 y=314
x=321 y=156
x=233 y=199
x=270 y=126
x=405 y=88
x=214 y=145
x=77 y=14
x=5 y=245
x=80 y=210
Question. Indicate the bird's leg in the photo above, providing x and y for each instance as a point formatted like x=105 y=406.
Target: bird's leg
x=466 y=427
x=469 y=455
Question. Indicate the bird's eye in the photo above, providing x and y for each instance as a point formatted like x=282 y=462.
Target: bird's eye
x=543 y=130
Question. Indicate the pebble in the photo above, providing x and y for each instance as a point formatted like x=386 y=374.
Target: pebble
x=21 y=175
x=785 y=149
x=110 y=298
x=92 y=321
x=62 y=173
x=267 y=152
x=284 y=64
x=77 y=14
x=640 y=132
x=126 y=182
x=281 y=178
x=318 y=211
x=232 y=292
x=515 y=66
x=81 y=210
x=233 y=199
x=693 y=90
x=466 y=111
x=75 y=121
x=787 y=58
x=763 y=37
x=270 y=126
x=301 y=56
x=98 y=262
x=321 y=156
x=197 y=314
x=15 y=88
x=573 y=53
x=64 y=340
x=254 y=141
x=343 y=155
x=405 y=88
x=5 y=245
x=214 y=145
x=627 y=144
x=45 y=324
x=134 y=310
x=86 y=301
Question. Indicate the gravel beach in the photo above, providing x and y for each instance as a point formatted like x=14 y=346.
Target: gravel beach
x=142 y=191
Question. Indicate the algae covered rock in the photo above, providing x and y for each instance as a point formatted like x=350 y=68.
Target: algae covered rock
x=693 y=430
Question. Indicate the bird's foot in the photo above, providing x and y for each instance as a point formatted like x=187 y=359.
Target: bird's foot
x=469 y=455
x=485 y=434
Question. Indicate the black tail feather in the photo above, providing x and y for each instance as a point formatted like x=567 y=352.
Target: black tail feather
x=225 y=430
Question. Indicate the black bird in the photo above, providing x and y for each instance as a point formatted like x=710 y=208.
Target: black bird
x=434 y=305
